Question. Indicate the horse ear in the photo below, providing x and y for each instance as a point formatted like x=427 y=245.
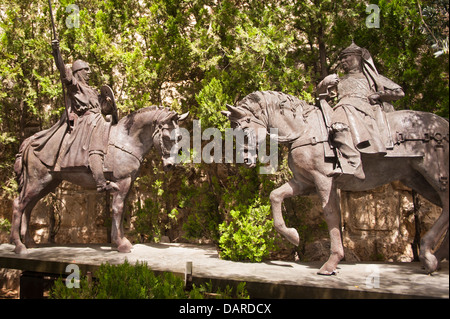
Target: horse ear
x=182 y=117
x=235 y=112
x=226 y=113
x=169 y=117
x=230 y=107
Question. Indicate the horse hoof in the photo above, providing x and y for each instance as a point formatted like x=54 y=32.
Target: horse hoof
x=293 y=236
x=327 y=270
x=125 y=247
x=326 y=273
x=21 y=249
x=430 y=263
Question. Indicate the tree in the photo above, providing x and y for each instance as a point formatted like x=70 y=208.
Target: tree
x=399 y=46
x=211 y=52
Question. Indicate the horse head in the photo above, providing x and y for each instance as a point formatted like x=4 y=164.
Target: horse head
x=166 y=137
x=247 y=127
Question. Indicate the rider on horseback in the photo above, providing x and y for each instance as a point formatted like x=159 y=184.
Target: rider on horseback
x=88 y=139
x=362 y=94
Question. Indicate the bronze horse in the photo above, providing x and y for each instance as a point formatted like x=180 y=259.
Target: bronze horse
x=130 y=141
x=419 y=160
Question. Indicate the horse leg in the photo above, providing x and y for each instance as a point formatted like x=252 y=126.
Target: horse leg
x=24 y=230
x=36 y=184
x=424 y=188
x=418 y=183
x=431 y=238
x=277 y=196
x=20 y=205
x=15 y=227
x=118 y=203
x=332 y=213
x=430 y=187
x=443 y=252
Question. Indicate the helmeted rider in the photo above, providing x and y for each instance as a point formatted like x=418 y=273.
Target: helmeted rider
x=90 y=129
x=359 y=92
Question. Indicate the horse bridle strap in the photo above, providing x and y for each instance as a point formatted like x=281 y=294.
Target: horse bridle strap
x=159 y=129
x=309 y=141
x=247 y=119
x=139 y=158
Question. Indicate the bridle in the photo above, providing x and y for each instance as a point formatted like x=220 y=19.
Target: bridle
x=159 y=130
x=242 y=124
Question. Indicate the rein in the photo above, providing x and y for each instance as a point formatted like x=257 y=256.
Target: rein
x=139 y=158
x=158 y=131
x=295 y=139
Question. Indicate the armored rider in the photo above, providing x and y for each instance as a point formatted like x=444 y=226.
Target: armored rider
x=362 y=95
x=89 y=136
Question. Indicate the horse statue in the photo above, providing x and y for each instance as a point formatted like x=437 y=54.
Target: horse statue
x=419 y=159
x=130 y=140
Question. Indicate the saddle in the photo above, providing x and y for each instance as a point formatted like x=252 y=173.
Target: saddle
x=402 y=138
x=393 y=140
x=87 y=137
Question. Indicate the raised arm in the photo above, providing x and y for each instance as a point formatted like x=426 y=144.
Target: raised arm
x=59 y=61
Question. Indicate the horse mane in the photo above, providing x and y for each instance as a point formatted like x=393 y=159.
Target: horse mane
x=158 y=110
x=258 y=102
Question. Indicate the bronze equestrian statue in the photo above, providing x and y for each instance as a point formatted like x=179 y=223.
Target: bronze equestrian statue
x=85 y=149
x=357 y=146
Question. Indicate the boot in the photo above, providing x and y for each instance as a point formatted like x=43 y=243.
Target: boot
x=96 y=165
x=350 y=162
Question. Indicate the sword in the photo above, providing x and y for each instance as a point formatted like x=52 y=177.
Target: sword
x=62 y=84
x=51 y=17
x=326 y=109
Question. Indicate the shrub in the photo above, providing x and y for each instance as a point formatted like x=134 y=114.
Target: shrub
x=249 y=236
x=126 y=281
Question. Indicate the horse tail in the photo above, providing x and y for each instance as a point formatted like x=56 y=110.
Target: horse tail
x=19 y=164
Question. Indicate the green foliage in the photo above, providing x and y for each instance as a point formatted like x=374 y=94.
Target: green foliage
x=201 y=202
x=207 y=290
x=126 y=281
x=5 y=225
x=249 y=235
x=211 y=100
x=147 y=224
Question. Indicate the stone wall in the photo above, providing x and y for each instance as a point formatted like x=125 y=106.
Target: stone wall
x=74 y=215
x=380 y=225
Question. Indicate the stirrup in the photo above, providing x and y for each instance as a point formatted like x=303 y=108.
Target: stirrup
x=107 y=186
x=358 y=173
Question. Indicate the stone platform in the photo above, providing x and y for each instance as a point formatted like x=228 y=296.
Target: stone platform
x=271 y=279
